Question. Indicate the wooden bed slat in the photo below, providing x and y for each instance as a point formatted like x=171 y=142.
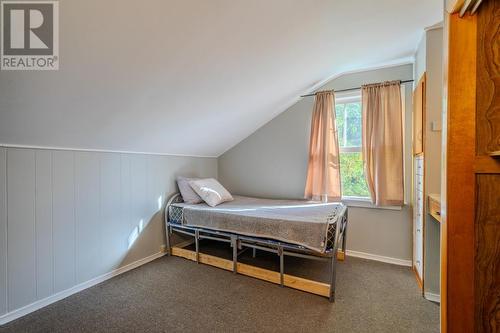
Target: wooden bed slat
x=290 y=281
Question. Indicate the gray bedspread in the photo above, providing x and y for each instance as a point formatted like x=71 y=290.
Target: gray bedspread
x=293 y=221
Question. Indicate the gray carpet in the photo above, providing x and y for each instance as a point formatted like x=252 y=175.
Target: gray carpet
x=175 y=295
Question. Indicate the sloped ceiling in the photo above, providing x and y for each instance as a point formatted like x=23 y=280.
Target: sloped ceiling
x=196 y=77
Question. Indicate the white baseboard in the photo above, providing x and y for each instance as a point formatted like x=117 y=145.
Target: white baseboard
x=389 y=260
x=73 y=290
x=82 y=286
x=432 y=297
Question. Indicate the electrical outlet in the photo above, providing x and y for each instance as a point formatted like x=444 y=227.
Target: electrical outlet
x=163 y=248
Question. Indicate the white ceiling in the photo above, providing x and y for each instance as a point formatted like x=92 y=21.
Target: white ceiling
x=196 y=77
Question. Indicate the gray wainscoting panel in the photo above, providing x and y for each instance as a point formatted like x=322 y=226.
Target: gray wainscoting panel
x=67 y=217
x=126 y=199
x=113 y=232
x=87 y=216
x=21 y=227
x=157 y=185
x=43 y=222
x=63 y=180
x=3 y=230
x=138 y=179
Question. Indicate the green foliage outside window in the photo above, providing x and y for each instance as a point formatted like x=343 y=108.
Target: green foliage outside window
x=352 y=175
x=348 y=121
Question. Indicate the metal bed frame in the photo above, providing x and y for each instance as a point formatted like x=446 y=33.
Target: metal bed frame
x=240 y=243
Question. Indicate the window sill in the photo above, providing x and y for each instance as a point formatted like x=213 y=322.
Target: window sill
x=361 y=202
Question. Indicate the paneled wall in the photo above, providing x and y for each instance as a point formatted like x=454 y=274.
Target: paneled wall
x=67 y=217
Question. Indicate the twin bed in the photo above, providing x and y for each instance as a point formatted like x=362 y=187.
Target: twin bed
x=296 y=228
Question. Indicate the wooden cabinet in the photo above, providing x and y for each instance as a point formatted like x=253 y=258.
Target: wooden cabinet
x=470 y=224
x=418 y=116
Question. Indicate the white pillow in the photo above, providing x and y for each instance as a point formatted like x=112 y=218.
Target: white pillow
x=187 y=193
x=211 y=191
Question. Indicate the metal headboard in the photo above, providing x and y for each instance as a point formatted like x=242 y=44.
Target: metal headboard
x=175 y=198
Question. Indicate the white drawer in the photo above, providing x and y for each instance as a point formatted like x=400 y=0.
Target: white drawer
x=419 y=166
x=419 y=253
x=419 y=201
x=419 y=239
x=419 y=183
x=418 y=220
x=418 y=232
x=418 y=266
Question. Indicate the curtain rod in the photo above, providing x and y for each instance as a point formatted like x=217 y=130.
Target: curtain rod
x=342 y=90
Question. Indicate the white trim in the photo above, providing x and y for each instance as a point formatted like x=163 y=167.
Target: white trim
x=345 y=97
x=10 y=316
x=11 y=145
x=73 y=290
x=375 y=257
x=350 y=149
x=285 y=106
x=389 y=64
x=438 y=25
x=432 y=297
x=361 y=202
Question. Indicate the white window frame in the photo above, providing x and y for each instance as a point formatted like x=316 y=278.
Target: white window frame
x=345 y=98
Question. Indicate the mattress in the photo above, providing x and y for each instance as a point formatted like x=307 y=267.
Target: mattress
x=300 y=222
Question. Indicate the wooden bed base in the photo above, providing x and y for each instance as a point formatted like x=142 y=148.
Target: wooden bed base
x=295 y=282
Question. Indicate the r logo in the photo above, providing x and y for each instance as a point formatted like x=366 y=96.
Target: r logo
x=29 y=29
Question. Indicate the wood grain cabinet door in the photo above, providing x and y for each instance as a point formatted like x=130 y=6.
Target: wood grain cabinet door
x=470 y=229
x=487 y=170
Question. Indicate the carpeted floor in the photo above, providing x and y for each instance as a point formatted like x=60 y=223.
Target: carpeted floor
x=175 y=295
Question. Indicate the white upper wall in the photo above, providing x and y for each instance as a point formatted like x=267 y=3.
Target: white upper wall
x=195 y=77
x=420 y=58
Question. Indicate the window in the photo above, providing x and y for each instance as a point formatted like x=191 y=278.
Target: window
x=348 y=118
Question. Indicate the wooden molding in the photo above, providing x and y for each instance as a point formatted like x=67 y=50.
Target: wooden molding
x=457 y=208
x=419 y=281
x=419 y=106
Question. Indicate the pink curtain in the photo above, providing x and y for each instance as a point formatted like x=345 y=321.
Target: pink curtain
x=382 y=141
x=323 y=170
